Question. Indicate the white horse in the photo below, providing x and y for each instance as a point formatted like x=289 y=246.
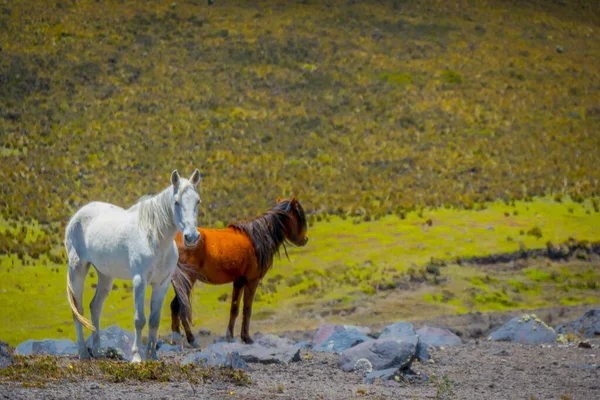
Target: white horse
x=135 y=244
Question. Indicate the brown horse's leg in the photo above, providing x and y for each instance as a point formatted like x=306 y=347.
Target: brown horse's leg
x=188 y=332
x=238 y=285
x=184 y=320
x=175 y=321
x=249 y=292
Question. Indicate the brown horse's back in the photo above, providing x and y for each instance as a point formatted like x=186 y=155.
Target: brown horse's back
x=221 y=256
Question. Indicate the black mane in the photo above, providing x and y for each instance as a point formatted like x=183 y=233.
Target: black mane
x=267 y=232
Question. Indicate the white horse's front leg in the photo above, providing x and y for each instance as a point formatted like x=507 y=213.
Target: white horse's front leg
x=139 y=292
x=159 y=292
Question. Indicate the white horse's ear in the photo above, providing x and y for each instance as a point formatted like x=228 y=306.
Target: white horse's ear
x=195 y=178
x=175 y=179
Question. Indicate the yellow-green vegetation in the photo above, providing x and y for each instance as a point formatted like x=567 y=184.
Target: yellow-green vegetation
x=38 y=371
x=413 y=133
x=348 y=266
x=372 y=107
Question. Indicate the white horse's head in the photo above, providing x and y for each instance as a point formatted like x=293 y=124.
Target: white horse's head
x=185 y=206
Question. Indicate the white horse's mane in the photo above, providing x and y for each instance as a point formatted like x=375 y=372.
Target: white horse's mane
x=155 y=214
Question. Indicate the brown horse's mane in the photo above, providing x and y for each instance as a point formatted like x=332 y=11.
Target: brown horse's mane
x=267 y=232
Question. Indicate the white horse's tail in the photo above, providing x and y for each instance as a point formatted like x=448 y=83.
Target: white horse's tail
x=84 y=321
x=70 y=296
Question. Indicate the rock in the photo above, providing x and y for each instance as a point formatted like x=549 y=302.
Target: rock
x=363 y=366
x=268 y=349
x=588 y=325
x=341 y=340
x=217 y=356
x=303 y=345
x=430 y=336
x=204 y=332
x=163 y=347
x=383 y=375
x=528 y=329
x=116 y=338
x=437 y=336
x=327 y=330
x=381 y=353
x=271 y=349
x=6 y=359
x=114 y=353
x=559 y=49
x=398 y=330
x=405 y=331
x=47 y=346
x=584 y=345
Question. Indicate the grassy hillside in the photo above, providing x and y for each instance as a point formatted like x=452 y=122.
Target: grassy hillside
x=347 y=270
x=369 y=112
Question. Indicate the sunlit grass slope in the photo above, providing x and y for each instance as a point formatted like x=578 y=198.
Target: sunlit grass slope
x=340 y=274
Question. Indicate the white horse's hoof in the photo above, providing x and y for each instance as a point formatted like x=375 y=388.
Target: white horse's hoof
x=136 y=358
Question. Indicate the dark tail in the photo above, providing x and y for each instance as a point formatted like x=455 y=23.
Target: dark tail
x=183 y=290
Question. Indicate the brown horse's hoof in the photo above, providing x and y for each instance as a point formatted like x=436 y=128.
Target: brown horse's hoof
x=247 y=340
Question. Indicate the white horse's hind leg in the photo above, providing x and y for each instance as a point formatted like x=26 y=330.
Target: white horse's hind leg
x=78 y=273
x=102 y=290
x=139 y=293
x=159 y=292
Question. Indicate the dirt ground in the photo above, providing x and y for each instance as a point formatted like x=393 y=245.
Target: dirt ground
x=475 y=370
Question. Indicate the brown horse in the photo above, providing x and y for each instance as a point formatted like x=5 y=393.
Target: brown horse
x=242 y=253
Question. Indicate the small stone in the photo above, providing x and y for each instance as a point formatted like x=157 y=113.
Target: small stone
x=363 y=366
x=559 y=49
x=584 y=345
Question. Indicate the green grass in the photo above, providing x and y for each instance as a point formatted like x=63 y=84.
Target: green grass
x=343 y=267
x=38 y=371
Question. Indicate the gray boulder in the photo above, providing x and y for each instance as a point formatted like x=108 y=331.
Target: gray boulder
x=326 y=330
x=6 y=359
x=47 y=346
x=304 y=345
x=217 y=356
x=588 y=325
x=114 y=340
x=430 y=336
x=271 y=349
x=398 y=330
x=341 y=340
x=164 y=347
x=268 y=349
x=381 y=354
x=528 y=329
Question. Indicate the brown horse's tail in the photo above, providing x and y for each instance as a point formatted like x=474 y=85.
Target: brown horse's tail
x=73 y=303
x=183 y=289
